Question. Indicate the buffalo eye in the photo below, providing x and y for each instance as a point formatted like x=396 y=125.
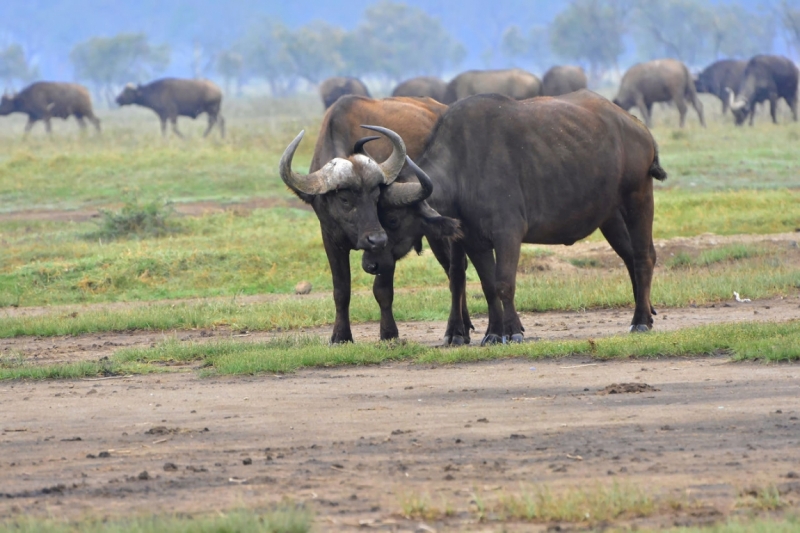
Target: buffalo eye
x=393 y=222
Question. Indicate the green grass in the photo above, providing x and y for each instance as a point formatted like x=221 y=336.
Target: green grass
x=756 y=277
x=764 y=525
x=283 y=520
x=749 y=341
x=734 y=252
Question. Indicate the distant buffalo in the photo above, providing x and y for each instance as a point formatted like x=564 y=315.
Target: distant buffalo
x=514 y=83
x=718 y=76
x=44 y=100
x=334 y=88
x=172 y=97
x=765 y=78
x=663 y=80
x=422 y=86
x=563 y=80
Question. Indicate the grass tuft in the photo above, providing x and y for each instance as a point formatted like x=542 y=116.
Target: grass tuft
x=136 y=219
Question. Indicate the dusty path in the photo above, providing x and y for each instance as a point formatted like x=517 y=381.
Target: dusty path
x=550 y=326
x=357 y=443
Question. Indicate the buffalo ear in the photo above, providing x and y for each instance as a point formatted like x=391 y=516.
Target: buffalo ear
x=418 y=246
x=441 y=228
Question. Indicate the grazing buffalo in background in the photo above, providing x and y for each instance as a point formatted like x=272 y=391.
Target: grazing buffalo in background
x=545 y=171
x=765 y=78
x=422 y=86
x=172 y=97
x=563 y=80
x=344 y=186
x=44 y=100
x=718 y=76
x=334 y=88
x=663 y=80
x=514 y=83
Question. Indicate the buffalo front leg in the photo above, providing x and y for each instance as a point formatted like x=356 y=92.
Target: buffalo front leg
x=48 y=126
x=174 y=122
x=698 y=106
x=443 y=252
x=383 y=290
x=773 y=107
x=163 y=126
x=639 y=221
x=339 y=260
x=507 y=251
x=458 y=324
x=483 y=261
x=616 y=234
x=29 y=125
x=212 y=119
x=644 y=109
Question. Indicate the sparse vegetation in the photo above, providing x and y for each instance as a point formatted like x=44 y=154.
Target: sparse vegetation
x=136 y=219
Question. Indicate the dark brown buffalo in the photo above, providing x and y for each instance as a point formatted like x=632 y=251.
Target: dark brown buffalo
x=422 y=86
x=563 y=80
x=514 y=83
x=546 y=171
x=44 y=100
x=345 y=184
x=765 y=78
x=172 y=97
x=718 y=76
x=334 y=88
x=663 y=80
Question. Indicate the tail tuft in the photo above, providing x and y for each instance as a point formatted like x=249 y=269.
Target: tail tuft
x=655 y=170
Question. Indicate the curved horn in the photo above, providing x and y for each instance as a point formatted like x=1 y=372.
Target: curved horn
x=734 y=104
x=358 y=148
x=330 y=177
x=392 y=166
x=400 y=194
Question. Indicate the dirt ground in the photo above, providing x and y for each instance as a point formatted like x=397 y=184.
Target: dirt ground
x=356 y=443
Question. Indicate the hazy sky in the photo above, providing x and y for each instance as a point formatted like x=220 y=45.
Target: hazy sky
x=49 y=28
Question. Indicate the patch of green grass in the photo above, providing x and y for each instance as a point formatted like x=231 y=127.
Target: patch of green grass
x=584 y=262
x=599 y=503
x=83 y=369
x=754 y=278
x=136 y=219
x=734 y=252
x=287 y=519
x=788 y=524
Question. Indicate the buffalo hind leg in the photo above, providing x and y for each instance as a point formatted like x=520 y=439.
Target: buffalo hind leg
x=163 y=126
x=48 y=126
x=221 y=125
x=792 y=101
x=698 y=106
x=645 y=109
x=507 y=251
x=212 y=119
x=383 y=290
x=95 y=122
x=773 y=107
x=639 y=221
x=680 y=103
x=616 y=233
x=29 y=125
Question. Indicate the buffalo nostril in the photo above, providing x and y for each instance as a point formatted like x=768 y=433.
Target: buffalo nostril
x=377 y=241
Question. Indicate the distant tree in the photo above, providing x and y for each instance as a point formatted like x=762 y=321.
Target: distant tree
x=737 y=32
x=315 y=51
x=229 y=66
x=532 y=49
x=109 y=62
x=680 y=29
x=590 y=32
x=265 y=54
x=397 y=41
x=790 y=19
x=15 y=66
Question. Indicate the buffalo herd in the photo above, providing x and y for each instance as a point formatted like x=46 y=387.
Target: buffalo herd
x=478 y=166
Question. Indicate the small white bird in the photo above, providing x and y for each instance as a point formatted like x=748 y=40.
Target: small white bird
x=738 y=299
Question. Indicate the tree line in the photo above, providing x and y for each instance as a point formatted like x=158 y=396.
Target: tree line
x=394 y=41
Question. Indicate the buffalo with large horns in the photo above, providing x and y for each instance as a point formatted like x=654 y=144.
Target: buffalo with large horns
x=663 y=80
x=45 y=100
x=718 y=76
x=765 y=78
x=344 y=186
x=173 y=97
x=546 y=171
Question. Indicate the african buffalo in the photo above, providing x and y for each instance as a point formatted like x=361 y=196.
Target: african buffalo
x=514 y=83
x=718 y=76
x=547 y=171
x=765 y=78
x=344 y=185
x=422 y=86
x=563 y=80
x=44 y=100
x=334 y=88
x=172 y=97
x=662 y=80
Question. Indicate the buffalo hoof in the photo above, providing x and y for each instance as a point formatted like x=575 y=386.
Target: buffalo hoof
x=455 y=340
x=640 y=328
x=491 y=339
x=653 y=310
x=517 y=337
